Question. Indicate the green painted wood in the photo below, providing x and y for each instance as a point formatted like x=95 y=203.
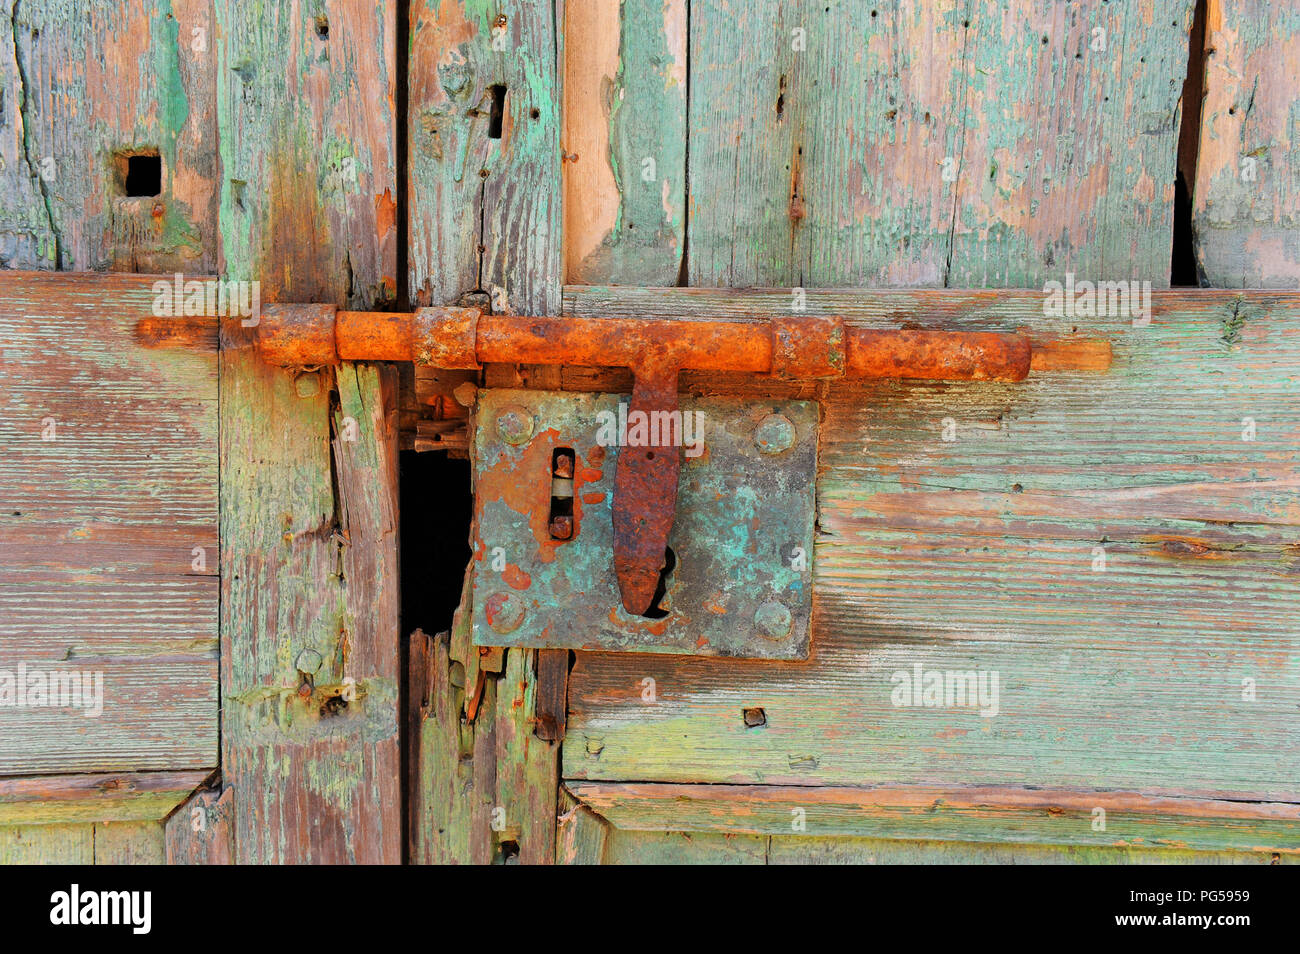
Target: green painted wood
x=684 y=848
x=199 y=832
x=998 y=813
x=108 y=529
x=129 y=843
x=977 y=554
x=625 y=142
x=88 y=84
x=980 y=143
x=1246 y=211
x=47 y=844
x=485 y=213
x=60 y=799
x=798 y=850
x=580 y=834
x=485 y=221
x=309 y=496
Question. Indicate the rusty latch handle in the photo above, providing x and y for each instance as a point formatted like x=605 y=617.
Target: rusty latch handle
x=645 y=488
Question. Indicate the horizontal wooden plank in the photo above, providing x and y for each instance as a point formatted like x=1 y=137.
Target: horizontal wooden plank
x=972 y=814
x=59 y=799
x=108 y=524
x=1106 y=542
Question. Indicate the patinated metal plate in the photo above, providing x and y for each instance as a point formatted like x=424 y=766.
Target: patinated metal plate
x=741 y=541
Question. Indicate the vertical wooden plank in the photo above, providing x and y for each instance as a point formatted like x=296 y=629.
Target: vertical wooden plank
x=485 y=219
x=580 y=833
x=485 y=211
x=305 y=108
x=199 y=832
x=967 y=143
x=93 y=84
x=624 y=141
x=1246 y=204
x=129 y=843
x=47 y=844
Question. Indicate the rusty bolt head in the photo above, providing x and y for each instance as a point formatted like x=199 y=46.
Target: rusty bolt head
x=564 y=466
x=307 y=384
x=504 y=612
x=773 y=620
x=514 y=424
x=561 y=528
x=774 y=434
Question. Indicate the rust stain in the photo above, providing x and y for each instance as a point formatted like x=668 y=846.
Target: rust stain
x=385 y=214
x=516 y=578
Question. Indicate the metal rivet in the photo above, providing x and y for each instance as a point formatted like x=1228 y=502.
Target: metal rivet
x=774 y=434
x=514 y=424
x=773 y=620
x=595 y=746
x=504 y=612
x=307 y=384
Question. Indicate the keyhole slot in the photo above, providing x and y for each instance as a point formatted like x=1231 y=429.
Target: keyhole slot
x=561 y=521
x=657 y=610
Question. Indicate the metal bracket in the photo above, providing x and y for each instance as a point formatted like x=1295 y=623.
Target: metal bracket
x=545 y=526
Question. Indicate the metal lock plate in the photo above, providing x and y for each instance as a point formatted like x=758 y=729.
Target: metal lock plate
x=740 y=582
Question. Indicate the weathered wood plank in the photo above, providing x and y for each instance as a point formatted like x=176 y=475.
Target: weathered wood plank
x=108 y=528
x=484 y=156
x=199 y=832
x=904 y=144
x=995 y=814
x=485 y=220
x=58 y=799
x=580 y=834
x=802 y=850
x=625 y=141
x=1246 y=204
x=1166 y=671
x=684 y=848
x=47 y=844
x=309 y=594
x=129 y=843
x=93 y=84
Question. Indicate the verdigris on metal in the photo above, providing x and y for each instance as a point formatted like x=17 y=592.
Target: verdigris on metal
x=741 y=583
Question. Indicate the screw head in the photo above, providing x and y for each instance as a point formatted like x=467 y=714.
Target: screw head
x=561 y=528
x=774 y=434
x=773 y=620
x=504 y=612
x=514 y=424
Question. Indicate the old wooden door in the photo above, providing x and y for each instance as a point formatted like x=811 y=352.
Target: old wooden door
x=1108 y=548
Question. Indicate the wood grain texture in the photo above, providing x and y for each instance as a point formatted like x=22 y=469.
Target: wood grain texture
x=485 y=212
x=962 y=143
x=1246 y=214
x=59 y=799
x=129 y=843
x=199 y=832
x=977 y=554
x=485 y=221
x=580 y=834
x=625 y=141
x=93 y=83
x=47 y=844
x=993 y=814
x=305 y=111
x=108 y=528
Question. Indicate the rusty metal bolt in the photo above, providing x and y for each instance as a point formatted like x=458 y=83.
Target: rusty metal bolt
x=307 y=384
x=561 y=528
x=774 y=434
x=504 y=612
x=773 y=620
x=564 y=466
x=514 y=424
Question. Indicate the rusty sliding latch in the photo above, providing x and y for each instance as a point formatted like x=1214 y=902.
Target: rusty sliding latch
x=656 y=350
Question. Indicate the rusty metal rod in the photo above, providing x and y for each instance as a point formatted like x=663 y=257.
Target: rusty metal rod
x=306 y=335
